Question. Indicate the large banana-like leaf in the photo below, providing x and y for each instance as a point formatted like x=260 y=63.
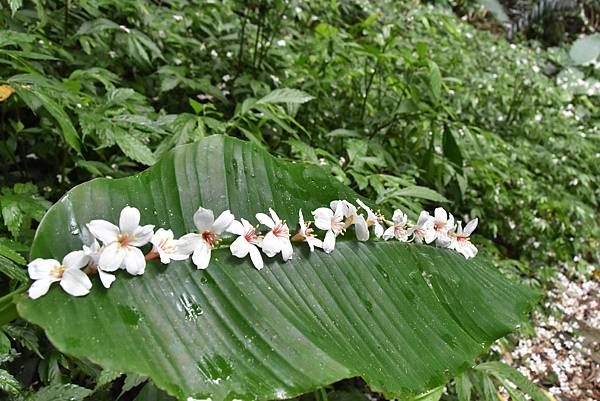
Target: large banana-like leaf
x=404 y=317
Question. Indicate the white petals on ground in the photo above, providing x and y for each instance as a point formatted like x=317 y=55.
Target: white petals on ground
x=305 y=233
x=166 y=246
x=330 y=220
x=121 y=243
x=47 y=271
x=209 y=232
x=248 y=242
x=372 y=219
x=461 y=242
x=278 y=239
x=397 y=228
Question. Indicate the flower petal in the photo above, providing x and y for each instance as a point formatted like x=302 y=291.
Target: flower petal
x=142 y=235
x=265 y=220
x=106 y=278
x=222 y=222
x=104 y=231
x=274 y=216
x=378 y=230
x=201 y=256
x=329 y=243
x=440 y=215
x=430 y=235
x=470 y=227
x=399 y=218
x=286 y=249
x=38 y=288
x=314 y=242
x=240 y=247
x=204 y=219
x=75 y=282
x=236 y=228
x=75 y=260
x=256 y=257
x=271 y=245
x=424 y=218
x=135 y=263
x=301 y=219
x=40 y=269
x=389 y=233
x=129 y=219
x=361 y=228
x=189 y=242
x=112 y=257
x=323 y=217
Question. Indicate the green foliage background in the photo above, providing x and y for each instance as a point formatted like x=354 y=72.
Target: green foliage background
x=402 y=101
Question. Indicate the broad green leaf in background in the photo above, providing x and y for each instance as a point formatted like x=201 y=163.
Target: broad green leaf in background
x=417 y=191
x=60 y=392
x=585 y=49
x=404 y=317
x=285 y=95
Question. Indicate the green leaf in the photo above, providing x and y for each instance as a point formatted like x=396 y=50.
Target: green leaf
x=585 y=49
x=14 y=6
x=8 y=383
x=402 y=316
x=285 y=95
x=416 y=191
x=502 y=371
x=60 y=392
x=12 y=270
x=107 y=376
x=67 y=129
x=133 y=148
x=12 y=255
x=4 y=344
x=132 y=380
x=463 y=387
x=12 y=216
x=24 y=335
x=451 y=148
x=432 y=395
x=435 y=79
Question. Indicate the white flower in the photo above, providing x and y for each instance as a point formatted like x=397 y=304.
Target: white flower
x=248 y=242
x=166 y=246
x=423 y=231
x=209 y=230
x=278 y=239
x=372 y=219
x=398 y=228
x=331 y=221
x=305 y=233
x=121 y=243
x=93 y=252
x=352 y=218
x=461 y=242
x=47 y=271
x=443 y=225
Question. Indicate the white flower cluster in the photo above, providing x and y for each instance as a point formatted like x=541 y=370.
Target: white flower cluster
x=121 y=244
